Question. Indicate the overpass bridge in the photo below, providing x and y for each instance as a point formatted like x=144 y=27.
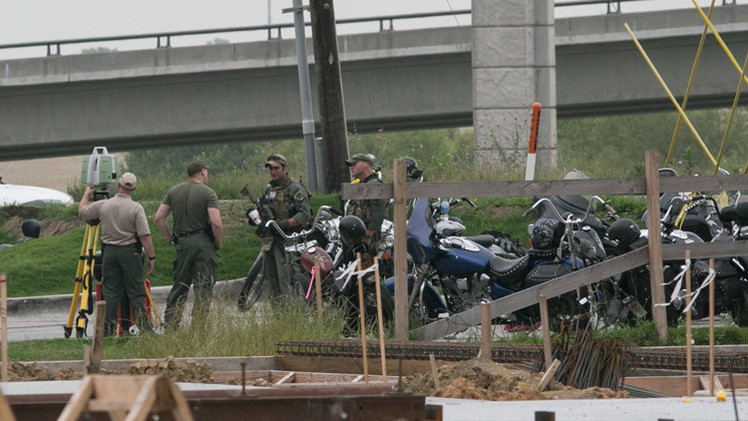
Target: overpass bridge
x=61 y=105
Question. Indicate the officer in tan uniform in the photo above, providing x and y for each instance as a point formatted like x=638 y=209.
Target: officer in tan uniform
x=124 y=228
x=287 y=203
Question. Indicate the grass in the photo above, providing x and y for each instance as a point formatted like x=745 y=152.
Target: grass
x=225 y=333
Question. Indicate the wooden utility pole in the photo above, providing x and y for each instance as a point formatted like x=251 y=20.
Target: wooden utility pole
x=330 y=96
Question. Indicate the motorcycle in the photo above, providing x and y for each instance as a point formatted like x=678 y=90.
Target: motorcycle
x=323 y=233
x=324 y=245
x=704 y=220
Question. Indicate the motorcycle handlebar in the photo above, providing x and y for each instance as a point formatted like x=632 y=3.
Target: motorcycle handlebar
x=305 y=233
x=568 y=219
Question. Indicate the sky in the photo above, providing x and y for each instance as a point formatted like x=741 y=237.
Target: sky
x=45 y=20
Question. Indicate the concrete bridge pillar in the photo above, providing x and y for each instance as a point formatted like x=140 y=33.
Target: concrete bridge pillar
x=514 y=65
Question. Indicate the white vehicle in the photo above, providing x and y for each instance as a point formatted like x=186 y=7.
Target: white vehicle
x=13 y=194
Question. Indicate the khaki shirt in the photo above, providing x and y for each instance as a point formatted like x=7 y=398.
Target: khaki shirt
x=122 y=219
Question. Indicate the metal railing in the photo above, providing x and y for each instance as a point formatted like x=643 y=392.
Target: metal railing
x=53 y=47
x=166 y=36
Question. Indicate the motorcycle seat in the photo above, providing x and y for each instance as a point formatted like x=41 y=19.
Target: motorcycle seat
x=509 y=272
x=485 y=240
x=722 y=268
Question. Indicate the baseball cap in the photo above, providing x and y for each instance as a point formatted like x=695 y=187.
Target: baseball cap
x=276 y=160
x=361 y=157
x=128 y=181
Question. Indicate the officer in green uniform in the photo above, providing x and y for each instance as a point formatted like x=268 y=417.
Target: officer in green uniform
x=197 y=235
x=287 y=203
x=372 y=212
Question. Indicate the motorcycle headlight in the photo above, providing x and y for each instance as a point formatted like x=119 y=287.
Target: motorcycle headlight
x=331 y=232
x=388 y=241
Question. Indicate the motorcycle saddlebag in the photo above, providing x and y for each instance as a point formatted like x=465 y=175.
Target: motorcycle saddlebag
x=542 y=273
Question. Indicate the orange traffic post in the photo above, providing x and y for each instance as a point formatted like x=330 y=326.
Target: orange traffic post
x=532 y=147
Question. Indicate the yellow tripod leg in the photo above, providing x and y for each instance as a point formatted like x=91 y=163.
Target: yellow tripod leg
x=153 y=306
x=85 y=308
x=78 y=282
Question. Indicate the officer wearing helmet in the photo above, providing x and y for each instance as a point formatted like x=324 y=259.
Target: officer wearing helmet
x=287 y=203
x=371 y=212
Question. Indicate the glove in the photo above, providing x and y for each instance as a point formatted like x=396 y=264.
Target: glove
x=283 y=224
x=261 y=231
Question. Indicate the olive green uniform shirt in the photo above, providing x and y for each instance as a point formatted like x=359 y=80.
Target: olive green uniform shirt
x=189 y=203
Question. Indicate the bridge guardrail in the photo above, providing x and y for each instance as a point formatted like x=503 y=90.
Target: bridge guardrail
x=613 y=6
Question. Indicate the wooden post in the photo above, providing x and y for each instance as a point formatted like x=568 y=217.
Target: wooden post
x=434 y=371
x=401 y=252
x=318 y=290
x=689 y=363
x=4 y=324
x=98 y=339
x=545 y=328
x=711 y=331
x=652 y=183
x=380 y=319
x=362 y=319
x=329 y=95
x=486 y=333
x=548 y=375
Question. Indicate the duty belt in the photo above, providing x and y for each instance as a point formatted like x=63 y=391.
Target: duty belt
x=189 y=234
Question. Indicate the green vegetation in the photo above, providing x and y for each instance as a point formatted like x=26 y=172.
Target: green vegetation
x=226 y=333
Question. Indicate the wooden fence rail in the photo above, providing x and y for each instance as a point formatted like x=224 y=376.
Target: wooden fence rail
x=654 y=254
x=545 y=188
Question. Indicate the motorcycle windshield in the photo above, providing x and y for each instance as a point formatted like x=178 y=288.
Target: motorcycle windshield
x=420 y=230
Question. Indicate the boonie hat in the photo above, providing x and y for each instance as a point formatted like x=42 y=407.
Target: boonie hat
x=128 y=181
x=361 y=157
x=276 y=160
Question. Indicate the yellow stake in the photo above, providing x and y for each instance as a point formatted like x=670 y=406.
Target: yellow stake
x=688 y=87
x=670 y=95
x=719 y=39
x=732 y=114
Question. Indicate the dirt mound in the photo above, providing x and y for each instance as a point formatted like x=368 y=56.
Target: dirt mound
x=190 y=371
x=486 y=380
x=12 y=225
x=20 y=372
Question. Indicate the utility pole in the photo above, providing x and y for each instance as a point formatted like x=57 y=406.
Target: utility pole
x=307 y=118
x=330 y=96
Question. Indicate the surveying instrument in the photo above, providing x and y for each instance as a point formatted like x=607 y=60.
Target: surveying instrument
x=99 y=170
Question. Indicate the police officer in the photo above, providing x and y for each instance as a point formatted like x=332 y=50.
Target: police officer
x=287 y=203
x=124 y=228
x=197 y=235
x=372 y=212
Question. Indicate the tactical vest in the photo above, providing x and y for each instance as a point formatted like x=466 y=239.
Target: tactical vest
x=362 y=208
x=278 y=204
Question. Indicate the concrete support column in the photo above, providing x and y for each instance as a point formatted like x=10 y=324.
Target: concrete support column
x=514 y=65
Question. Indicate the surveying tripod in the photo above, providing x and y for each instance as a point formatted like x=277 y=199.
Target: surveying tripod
x=84 y=276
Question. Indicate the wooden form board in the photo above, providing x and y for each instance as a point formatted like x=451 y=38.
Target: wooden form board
x=676 y=385
x=286 y=378
x=353 y=365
